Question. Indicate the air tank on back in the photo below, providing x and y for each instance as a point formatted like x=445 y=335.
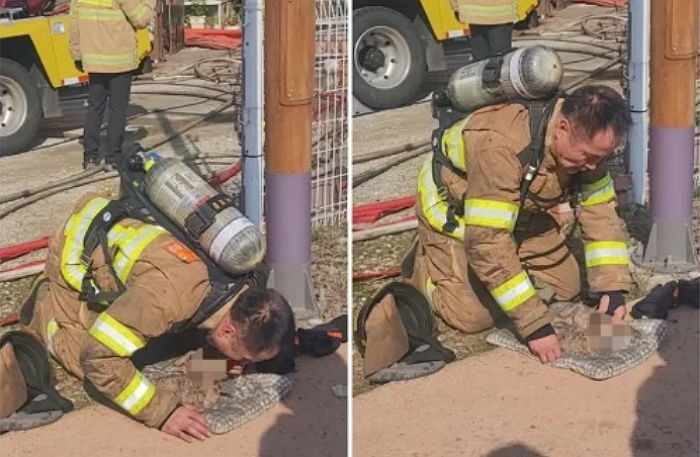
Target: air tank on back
x=528 y=73
x=232 y=241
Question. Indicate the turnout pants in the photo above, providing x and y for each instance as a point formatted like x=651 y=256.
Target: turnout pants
x=456 y=295
x=489 y=40
x=106 y=90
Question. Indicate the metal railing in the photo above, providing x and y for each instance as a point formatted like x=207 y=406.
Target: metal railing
x=330 y=124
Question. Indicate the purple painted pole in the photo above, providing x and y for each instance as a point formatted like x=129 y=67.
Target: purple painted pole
x=674 y=32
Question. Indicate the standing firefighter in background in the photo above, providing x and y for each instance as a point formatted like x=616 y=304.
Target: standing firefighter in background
x=103 y=44
x=490 y=25
x=482 y=240
x=156 y=285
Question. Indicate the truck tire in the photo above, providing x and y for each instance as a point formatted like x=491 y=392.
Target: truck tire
x=20 y=108
x=389 y=58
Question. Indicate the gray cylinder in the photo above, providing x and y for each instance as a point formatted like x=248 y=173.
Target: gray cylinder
x=530 y=73
x=232 y=241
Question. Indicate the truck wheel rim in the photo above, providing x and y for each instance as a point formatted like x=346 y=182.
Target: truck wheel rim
x=394 y=53
x=13 y=106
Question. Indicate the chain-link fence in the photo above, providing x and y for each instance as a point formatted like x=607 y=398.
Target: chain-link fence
x=330 y=124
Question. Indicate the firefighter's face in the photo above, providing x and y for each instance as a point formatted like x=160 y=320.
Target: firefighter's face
x=576 y=153
x=227 y=338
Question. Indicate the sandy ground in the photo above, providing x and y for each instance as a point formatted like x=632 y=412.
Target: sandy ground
x=502 y=404
x=311 y=421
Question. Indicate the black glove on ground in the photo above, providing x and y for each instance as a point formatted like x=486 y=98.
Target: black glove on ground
x=658 y=302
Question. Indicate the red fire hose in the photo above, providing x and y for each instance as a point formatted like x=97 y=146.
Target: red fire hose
x=374 y=211
x=226 y=174
x=376 y=275
x=213 y=38
x=13 y=251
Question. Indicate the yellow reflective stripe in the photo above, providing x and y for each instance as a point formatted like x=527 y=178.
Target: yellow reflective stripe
x=131 y=247
x=433 y=207
x=118 y=233
x=105 y=3
x=514 y=292
x=110 y=59
x=72 y=267
x=606 y=253
x=135 y=14
x=136 y=394
x=487 y=10
x=115 y=335
x=51 y=328
x=429 y=289
x=149 y=164
x=600 y=191
x=490 y=213
x=94 y=14
x=453 y=144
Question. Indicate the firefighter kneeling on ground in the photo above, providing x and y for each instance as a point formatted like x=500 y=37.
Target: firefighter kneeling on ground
x=165 y=286
x=482 y=251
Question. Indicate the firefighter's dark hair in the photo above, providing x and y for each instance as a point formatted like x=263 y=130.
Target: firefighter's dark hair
x=265 y=318
x=592 y=109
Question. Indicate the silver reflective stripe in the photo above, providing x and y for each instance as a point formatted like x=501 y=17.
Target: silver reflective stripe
x=514 y=292
x=229 y=232
x=502 y=214
x=115 y=336
x=518 y=83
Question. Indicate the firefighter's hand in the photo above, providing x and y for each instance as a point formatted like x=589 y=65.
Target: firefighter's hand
x=546 y=348
x=186 y=423
x=619 y=311
x=79 y=65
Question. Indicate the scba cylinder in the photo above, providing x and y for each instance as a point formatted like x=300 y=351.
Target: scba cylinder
x=528 y=73
x=232 y=241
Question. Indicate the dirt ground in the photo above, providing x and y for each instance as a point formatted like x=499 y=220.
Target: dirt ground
x=501 y=404
x=153 y=115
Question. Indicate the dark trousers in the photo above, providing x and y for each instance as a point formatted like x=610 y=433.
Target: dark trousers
x=489 y=40
x=106 y=89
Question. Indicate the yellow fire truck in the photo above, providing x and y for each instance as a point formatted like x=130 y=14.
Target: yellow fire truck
x=36 y=72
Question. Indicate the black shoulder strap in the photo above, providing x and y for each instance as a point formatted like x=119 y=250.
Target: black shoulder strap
x=96 y=236
x=531 y=156
x=454 y=208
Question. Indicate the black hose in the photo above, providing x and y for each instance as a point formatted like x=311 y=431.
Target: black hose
x=385 y=152
x=363 y=177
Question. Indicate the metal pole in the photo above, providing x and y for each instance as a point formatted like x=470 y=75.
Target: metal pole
x=674 y=34
x=253 y=110
x=289 y=71
x=638 y=144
